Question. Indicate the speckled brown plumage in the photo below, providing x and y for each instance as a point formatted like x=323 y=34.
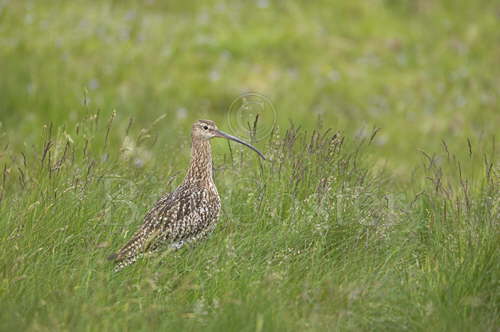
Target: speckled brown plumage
x=187 y=214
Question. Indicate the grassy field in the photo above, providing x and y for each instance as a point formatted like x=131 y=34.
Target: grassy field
x=377 y=210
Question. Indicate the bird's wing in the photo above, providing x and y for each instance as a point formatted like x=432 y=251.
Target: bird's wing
x=170 y=209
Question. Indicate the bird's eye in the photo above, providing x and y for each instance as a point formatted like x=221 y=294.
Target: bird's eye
x=205 y=127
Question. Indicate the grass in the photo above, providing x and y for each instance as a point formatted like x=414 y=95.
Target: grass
x=365 y=229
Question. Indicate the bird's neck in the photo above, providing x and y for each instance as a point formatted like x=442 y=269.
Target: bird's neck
x=200 y=169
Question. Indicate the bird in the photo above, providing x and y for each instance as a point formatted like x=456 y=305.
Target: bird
x=187 y=214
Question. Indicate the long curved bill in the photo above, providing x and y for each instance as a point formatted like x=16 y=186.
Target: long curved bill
x=236 y=139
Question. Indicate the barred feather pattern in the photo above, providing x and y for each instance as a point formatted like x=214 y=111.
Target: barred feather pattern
x=184 y=216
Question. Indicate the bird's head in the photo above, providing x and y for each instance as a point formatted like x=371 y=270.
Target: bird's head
x=207 y=129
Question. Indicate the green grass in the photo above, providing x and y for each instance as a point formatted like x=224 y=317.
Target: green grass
x=395 y=229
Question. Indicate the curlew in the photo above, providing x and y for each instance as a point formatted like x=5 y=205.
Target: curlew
x=187 y=214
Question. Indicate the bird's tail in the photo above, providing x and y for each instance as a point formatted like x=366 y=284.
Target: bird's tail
x=141 y=242
x=126 y=262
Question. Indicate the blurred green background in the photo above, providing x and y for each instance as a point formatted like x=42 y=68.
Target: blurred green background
x=420 y=70
x=326 y=236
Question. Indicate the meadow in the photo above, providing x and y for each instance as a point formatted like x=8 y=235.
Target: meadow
x=378 y=206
